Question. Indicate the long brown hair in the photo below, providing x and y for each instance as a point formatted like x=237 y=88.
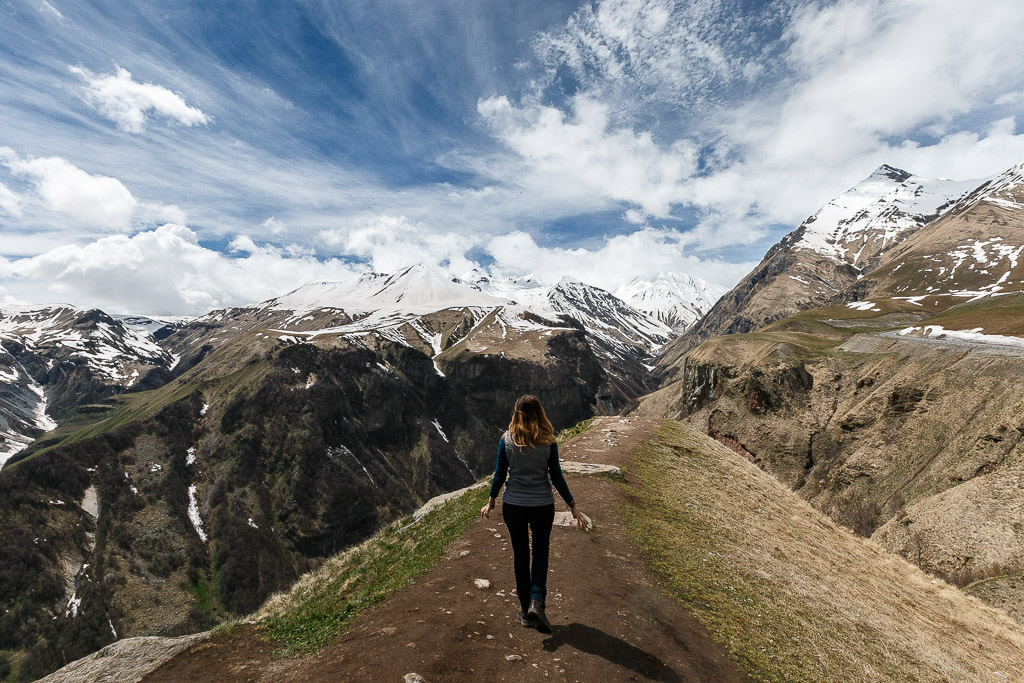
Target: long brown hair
x=530 y=425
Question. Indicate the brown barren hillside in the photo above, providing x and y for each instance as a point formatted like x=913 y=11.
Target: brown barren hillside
x=919 y=436
x=693 y=545
x=795 y=596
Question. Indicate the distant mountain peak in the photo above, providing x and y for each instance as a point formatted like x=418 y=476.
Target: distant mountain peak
x=877 y=213
x=417 y=288
x=891 y=172
x=676 y=299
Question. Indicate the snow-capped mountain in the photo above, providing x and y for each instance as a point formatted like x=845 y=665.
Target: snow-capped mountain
x=417 y=289
x=526 y=290
x=155 y=327
x=974 y=250
x=676 y=299
x=450 y=319
x=416 y=307
x=893 y=234
x=606 y=317
x=603 y=314
x=396 y=306
x=878 y=212
x=53 y=358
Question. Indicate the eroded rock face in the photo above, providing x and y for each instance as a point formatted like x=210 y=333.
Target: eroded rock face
x=787 y=280
x=923 y=444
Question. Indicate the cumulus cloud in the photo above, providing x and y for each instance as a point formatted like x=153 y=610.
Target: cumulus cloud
x=129 y=103
x=389 y=243
x=618 y=260
x=164 y=271
x=581 y=153
x=93 y=199
x=167 y=271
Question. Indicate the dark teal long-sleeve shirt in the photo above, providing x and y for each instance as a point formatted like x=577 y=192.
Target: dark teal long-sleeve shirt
x=530 y=472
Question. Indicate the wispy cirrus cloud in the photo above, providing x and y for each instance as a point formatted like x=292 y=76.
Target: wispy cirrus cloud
x=130 y=104
x=48 y=9
x=679 y=55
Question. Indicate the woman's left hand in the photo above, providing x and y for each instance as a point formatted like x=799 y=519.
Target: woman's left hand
x=485 y=511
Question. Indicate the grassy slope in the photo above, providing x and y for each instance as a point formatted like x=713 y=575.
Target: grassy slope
x=319 y=606
x=794 y=596
x=996 y=315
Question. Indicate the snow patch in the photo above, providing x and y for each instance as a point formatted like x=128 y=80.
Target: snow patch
x=862 y=305
x=73 y=605
x=193 y=513
x=974 y=336
x=437 y=426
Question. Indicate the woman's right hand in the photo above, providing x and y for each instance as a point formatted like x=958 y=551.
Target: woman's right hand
x=485 y=511
x=579 y=517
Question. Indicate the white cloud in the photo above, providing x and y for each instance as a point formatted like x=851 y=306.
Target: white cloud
x=163 y=271
x=167 y=271
x=158 y=212
x=875 y=69
x=389 y=243
x=274 y=226
x=621 y=258
x=584 y=155
x=851 y=85
x=875 y=82
x=47 y=8
x=128 y=103
x=93 y=199
x=680 y=54
x=10 y=202
x=976 y=154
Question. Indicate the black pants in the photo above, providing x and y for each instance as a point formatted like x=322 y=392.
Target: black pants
x=530 y=584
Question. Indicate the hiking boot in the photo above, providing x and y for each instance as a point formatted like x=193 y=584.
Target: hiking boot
x=523 y=620
x=536 y=614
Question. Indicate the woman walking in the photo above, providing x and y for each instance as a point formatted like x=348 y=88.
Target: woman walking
x=528 y=457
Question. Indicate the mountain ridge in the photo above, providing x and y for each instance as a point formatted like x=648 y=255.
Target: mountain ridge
x=815 y=264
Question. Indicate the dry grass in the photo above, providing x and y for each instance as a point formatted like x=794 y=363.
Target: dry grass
x=996 y=315
x=322 y=603
x=794 y=596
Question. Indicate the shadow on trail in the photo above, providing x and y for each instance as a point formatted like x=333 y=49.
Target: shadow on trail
x=615 y=650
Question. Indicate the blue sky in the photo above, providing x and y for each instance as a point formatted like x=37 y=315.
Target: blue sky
x=178 y=157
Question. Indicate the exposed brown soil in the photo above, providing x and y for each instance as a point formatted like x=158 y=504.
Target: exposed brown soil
x=610 y=620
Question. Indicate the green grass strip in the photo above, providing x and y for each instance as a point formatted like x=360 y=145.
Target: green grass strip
x=572 y=432
x=320 y=606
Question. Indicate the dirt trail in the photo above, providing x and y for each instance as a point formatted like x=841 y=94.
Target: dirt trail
x=610 y=621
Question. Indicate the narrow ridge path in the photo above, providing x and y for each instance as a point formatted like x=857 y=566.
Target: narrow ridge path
x=610 y=621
